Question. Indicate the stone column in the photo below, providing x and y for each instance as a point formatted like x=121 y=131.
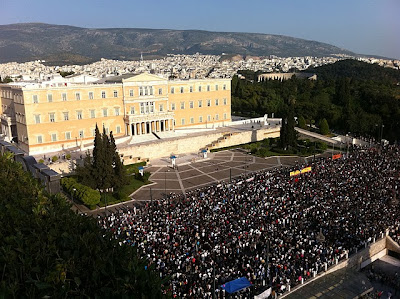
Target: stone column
x=134 y=129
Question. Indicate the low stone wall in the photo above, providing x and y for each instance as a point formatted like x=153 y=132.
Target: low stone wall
x=182 y=145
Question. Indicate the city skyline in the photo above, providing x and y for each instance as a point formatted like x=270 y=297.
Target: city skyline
x=364 y=27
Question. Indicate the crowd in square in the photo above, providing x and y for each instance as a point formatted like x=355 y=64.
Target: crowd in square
x=274 y=229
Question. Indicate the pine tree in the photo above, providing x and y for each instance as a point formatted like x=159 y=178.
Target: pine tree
x=324 y=127
x=108 y=171
x=119 y=171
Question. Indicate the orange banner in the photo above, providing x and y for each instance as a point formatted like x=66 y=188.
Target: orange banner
x=337 y=156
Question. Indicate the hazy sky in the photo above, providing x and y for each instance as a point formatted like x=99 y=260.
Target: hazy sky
x=362 y=26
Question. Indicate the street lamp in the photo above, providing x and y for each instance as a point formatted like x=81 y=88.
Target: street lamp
x=381 y=133
x=73 y=191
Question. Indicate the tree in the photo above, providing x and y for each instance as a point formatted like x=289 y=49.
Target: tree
x=120 y=176
x=288 y=134
x=47 y=250
x=104 y=171
x=301 y=122
x=324 y=127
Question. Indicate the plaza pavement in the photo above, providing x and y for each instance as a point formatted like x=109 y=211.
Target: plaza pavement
x=194 y=172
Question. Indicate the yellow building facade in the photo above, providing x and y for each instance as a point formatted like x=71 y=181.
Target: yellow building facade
x=44 y=118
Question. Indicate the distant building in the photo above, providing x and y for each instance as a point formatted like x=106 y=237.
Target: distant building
x=285 y=76
x=47 y=117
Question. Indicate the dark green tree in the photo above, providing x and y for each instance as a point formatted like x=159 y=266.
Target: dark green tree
x=302 y=122
x=324 y=127
x=47 y=250
x=120 y=175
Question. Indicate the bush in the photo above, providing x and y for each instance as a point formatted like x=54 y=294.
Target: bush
x=68 y=156
x=85 y=194
x=54 y=159
x=322 y=145
x=41 y=161
x=263 y=152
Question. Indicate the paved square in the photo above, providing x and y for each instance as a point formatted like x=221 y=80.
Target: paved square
x=219 y=166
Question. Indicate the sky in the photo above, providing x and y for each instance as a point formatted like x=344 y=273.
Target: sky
x=369 y=27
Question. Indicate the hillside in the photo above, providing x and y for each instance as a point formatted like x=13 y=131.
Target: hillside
x=68 y=44
x=356 y=70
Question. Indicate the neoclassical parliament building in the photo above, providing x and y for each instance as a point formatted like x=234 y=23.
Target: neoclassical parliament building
x=53 y=116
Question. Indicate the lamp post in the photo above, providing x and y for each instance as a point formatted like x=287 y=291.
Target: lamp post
x=381 y=134
x=73 y=192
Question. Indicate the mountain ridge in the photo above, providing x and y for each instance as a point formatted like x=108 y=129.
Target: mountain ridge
x=29 y=41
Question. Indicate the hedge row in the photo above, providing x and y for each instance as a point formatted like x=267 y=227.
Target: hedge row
x=82 y=193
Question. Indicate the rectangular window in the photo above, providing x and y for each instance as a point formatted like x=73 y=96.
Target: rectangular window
x=191 y=89
x=151 y=107
x=54 y=137
x=160 y=91
x=208 y=103
x=131 y=92
x=182 y=105
x=81 y=134
x=161 y=107
x=182 y=121
x=103 y=94
x=132 y=110
x=225 y=101
x=191 y=104
x=141 y=108
x=79 y=114
x=93 y=113
x=115 y=94
x=208 y=117
x=93 y=132
x=107 y=131
x=224 y=115
x=37 y=119
x=216 y=102
x=91 y=97
x=52 y=117
x=151 y=90
x=40 y=139
x=78 y=96
x=35 y=99
x=199 y=88
x=116 y=111
x=140 y=90
x=181 y=89
x=192 y=120
x=67 y=135
x=104 y=112
x=216 y=87
x=172 y=90
x=216 y=117
x=200 y=103
x=172 y=106
x=64 y=97
x=118 y=129
x=208 y=87
x=146 y=92
x=200 y=119
x=224 y=87
x=49 y=98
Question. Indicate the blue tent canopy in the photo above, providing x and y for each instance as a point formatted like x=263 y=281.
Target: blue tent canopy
x=140 y=167
x=236 y=285
x=173 y=157
x=203 y=151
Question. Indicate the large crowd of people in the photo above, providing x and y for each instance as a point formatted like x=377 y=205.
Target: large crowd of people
x=271 y=228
